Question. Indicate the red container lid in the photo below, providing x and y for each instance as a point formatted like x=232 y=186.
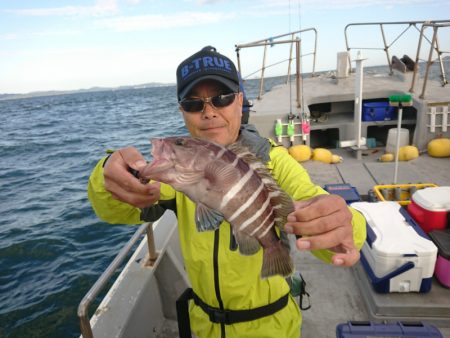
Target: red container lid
x=433 y=198
x=442 y=240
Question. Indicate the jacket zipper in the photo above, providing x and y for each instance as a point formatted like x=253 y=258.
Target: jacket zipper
x=216 y=277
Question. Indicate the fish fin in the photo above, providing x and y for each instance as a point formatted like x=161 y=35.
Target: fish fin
x=189 y=177
x=276 y=261
x=285 y=240
x=207 y=218
x=219 y=173
x=282 y=206
x=248 y=245
x=244 y=153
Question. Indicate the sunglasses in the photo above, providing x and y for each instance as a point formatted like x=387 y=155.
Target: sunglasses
x=198 y=105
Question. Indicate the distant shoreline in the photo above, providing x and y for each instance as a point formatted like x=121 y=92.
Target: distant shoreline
x=78 y=91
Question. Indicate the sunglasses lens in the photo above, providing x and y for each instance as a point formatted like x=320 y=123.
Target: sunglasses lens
x=221 y=101
x=196 y=105
x=192 y=105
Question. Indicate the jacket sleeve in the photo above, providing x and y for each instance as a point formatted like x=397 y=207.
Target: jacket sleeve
x=105 y=206
x=294 y=179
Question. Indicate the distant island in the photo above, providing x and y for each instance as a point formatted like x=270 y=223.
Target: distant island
x=93 y=89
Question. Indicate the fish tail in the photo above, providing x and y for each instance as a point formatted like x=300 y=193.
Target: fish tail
x=276 y=261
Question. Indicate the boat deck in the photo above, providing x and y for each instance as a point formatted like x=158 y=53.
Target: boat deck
x=363 y=175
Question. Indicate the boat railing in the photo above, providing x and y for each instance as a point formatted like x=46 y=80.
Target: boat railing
x=292 y=38
x=83 y=315
x=434 y=47
x=420 y=26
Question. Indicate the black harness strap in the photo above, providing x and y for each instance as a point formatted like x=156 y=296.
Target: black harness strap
x=184 y=326
x=217 y=315
x=228 y=317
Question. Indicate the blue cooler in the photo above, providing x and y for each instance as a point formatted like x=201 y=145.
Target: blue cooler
x=398 y=329
x=346 y=191
x=377 y=111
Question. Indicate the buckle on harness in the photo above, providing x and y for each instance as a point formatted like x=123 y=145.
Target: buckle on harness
x=219 y=316
x=298 y=289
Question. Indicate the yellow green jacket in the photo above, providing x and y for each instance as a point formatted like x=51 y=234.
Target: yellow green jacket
x=219 y=274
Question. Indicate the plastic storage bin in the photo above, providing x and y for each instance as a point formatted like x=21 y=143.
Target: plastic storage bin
x=397 y=255
x=391 y=141
x=377 y=111
x=397 y=329
x=442 y=270
x=346 y=191
x=429 y=207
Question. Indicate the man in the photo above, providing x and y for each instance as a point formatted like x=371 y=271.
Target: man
x=230 y=298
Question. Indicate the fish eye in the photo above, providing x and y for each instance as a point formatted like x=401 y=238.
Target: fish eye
x=179 y=142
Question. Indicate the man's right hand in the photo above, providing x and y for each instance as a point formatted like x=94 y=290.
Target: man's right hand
x=123 y=185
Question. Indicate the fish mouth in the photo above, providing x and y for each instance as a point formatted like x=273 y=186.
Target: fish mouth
x=161 y=159
x=158 y=165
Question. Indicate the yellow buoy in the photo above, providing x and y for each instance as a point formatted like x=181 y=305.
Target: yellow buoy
x=439 y=147
x=322 y=155
x=388 y=157
x=407 y=153
x=336 y=158
x=300 y=152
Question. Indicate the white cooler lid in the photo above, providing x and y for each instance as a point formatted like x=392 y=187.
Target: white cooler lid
x=433 y=198
x=394 y=235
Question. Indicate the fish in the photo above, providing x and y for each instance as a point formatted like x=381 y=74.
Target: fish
x=228 y=183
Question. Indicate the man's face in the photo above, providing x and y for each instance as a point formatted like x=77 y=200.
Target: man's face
x=219 y=125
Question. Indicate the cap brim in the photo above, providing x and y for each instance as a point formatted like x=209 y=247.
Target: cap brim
x=230 y=84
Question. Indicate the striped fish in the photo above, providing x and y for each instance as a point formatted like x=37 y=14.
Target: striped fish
x=227 y=183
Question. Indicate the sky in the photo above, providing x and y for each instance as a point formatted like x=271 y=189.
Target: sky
x=69 y=45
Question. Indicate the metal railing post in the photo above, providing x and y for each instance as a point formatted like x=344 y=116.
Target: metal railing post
x=152 y=255
x=290 y=60
x=238 y=61
x=298 y=77
x=429 y=62
x=441 y=65
x=416 y=63
x=314 y=55
x=386 y=49
x=348 y=48
x=261 y=82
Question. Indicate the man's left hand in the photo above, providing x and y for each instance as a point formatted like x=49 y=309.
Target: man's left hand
x=324 y=222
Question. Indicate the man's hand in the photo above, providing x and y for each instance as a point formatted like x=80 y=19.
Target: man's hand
x=324 y=222
x=123 y=185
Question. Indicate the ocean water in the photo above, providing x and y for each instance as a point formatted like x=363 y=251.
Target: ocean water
x=52 y=246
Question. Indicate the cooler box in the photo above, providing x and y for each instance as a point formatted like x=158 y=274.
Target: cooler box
x=429 y=207
x=398 y=329
x=442 y=270
x=346 y=191
x=397 y=255
x=377 y=111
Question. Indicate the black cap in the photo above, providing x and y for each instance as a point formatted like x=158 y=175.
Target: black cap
x=203 y=65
